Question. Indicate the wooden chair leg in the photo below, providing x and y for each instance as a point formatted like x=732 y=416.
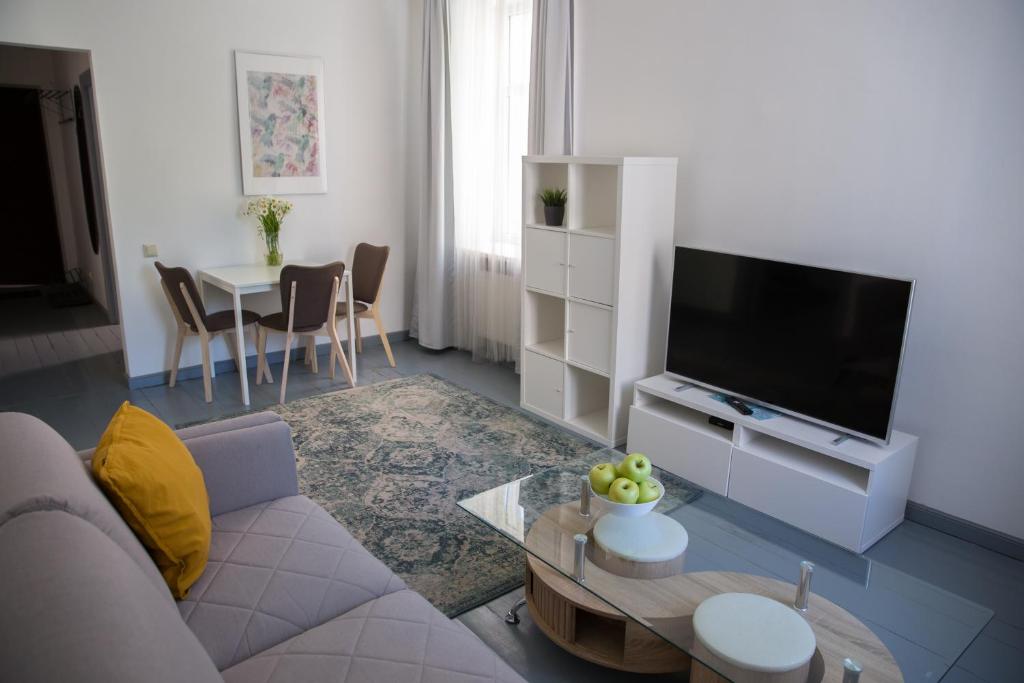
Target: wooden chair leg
x=359 y=336
x=204 y=342
x=312 y=354
x=383 y=336
x=334 y=356
x=256 y=346
x=336 y=345
x=229 y=337
x=177 y=355
x=310 y=351
x=284 y=371
x=260 y=334
x=261 y=357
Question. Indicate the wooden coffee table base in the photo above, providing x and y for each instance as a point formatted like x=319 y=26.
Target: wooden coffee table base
x=587 y=627
x=579 y=622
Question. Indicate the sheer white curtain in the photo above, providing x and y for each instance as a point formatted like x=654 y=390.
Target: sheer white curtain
x=489 y=44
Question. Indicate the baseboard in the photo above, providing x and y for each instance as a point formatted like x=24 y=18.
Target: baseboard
x=227 y=366
x=990 y=539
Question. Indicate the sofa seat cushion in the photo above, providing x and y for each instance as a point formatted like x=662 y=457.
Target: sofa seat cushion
x=397 y=638
x=275 y=570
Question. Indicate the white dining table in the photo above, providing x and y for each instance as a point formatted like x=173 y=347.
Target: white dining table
x=257 y=278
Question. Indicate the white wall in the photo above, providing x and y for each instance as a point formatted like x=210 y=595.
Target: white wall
x=165 y=87
x=876 y=135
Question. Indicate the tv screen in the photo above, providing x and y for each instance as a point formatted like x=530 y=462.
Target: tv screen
x=822 y=344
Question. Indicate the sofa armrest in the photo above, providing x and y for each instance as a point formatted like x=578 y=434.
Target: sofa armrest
x=243 y=467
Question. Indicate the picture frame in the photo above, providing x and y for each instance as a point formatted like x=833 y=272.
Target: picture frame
x=281 y=125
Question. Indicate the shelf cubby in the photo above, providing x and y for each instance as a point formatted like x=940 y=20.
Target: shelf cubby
x=544 y=324
x=592 y=322
x=593 y=198
x=538 y=177
x=586 y=400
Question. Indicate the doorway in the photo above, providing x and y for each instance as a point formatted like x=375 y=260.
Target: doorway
x=58 y=296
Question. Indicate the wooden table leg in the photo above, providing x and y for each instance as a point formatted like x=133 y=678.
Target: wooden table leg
x=202 y=297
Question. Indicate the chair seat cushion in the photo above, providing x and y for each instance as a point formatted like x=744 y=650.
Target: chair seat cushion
x=279 y=322
x=225 y=320
x=399 y=638
x=358 y=306
x=277 y=569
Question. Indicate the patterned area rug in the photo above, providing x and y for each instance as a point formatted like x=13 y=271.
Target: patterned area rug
x=391 y=460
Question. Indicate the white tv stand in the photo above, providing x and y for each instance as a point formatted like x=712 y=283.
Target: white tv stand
x=848 y=491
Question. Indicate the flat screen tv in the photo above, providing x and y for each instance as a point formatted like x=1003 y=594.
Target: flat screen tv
x=824 y=345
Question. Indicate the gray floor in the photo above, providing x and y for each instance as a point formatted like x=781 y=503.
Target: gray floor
x=32 y=314
x=78 y=398
x=34 y=334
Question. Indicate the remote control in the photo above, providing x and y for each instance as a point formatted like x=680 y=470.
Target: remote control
x=738 y=405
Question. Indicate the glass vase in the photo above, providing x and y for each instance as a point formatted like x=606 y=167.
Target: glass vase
x=274 y=256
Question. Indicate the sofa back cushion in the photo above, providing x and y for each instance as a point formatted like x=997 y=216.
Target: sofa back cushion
x=39 y=470
x=76 y=607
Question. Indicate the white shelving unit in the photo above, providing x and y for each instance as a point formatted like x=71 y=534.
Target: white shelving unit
x=851 y=493
x=595 y=289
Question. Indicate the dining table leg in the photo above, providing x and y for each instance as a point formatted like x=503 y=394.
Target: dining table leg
x=202 y=297
x=240 y=341
x=351 y=317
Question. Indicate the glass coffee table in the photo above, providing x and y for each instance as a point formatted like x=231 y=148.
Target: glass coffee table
x=638 y=616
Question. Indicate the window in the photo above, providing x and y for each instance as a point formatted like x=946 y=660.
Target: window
x=490 y=78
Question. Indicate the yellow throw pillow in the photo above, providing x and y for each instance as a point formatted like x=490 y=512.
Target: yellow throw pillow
x=152 y=480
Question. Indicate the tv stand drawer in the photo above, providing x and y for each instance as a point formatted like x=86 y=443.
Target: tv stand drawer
x=675 y=441
x=810 y=491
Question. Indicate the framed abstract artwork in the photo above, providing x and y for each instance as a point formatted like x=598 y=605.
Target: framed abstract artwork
x=281 y=123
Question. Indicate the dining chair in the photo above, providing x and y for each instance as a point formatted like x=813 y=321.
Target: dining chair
x=193 y=320
x=367 y=277
x=309 y=298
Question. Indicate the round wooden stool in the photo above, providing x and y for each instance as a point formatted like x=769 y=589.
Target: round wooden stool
x=752 y=639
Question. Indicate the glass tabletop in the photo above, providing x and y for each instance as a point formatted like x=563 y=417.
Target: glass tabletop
x=729 y=548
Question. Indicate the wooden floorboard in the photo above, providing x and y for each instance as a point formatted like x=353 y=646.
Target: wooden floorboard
x=47 y=356
x=28 y=358
x=78 y=346
x=8 y=356
x=31 y=352
x=62 y=347
x=93 y=341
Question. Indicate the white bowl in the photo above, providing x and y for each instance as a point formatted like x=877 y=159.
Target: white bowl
x=627 y=509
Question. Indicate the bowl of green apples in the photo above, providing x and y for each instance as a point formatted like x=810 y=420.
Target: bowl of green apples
x=626 y=489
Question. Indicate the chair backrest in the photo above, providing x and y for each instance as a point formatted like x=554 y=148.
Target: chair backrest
x=173 y=278
x=314 y=289
x=368 y=271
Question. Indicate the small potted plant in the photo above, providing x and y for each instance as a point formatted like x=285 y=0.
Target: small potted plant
x=269 y=212
x=554 y=205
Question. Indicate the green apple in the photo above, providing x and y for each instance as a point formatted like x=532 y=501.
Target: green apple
x=649 y=490
x=623 y=490
x=602 y=476
x=636 y=466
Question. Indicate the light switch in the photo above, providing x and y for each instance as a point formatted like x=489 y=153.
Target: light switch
x=149 y=251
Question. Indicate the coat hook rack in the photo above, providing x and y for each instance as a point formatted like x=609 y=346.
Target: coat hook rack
x=58 y=102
